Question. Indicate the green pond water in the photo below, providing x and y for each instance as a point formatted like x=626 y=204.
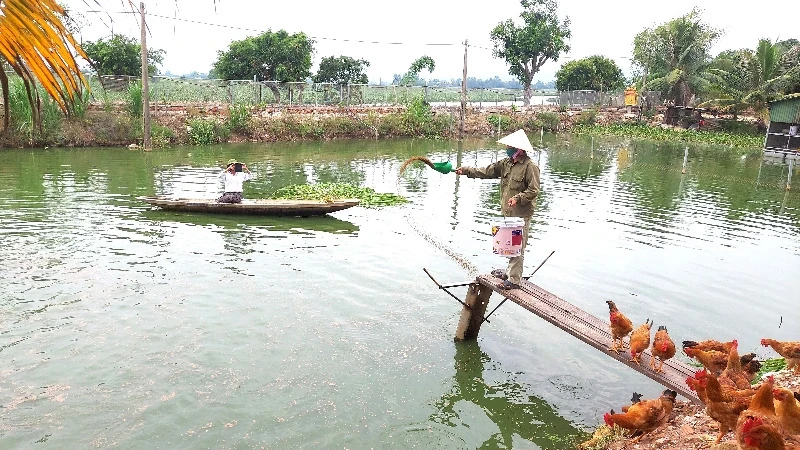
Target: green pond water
x=124 y=325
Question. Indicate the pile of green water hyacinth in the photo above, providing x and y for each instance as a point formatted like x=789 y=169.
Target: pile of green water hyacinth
x=769 y=365
x=336 y=191
x=641 y=131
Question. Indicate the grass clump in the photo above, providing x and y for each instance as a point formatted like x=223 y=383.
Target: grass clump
x=206 y=131
x=337 y=191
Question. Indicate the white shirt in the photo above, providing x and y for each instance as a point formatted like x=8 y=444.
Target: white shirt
x=233 y=181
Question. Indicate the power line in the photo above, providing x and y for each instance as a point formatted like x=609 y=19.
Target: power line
x=199 y=22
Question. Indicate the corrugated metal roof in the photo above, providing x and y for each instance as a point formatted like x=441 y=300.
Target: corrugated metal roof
x=786 y=109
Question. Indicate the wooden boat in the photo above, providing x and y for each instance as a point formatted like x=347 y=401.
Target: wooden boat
x=263 y=207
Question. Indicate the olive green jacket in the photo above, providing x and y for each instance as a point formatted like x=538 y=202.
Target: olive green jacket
x=519 y=179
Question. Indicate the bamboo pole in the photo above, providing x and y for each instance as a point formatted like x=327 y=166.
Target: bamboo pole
x=463 y=115
x=145 y=85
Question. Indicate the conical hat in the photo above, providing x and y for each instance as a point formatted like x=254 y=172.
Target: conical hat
x=517 y=139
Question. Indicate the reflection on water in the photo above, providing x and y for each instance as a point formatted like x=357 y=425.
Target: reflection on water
x=510 y=406
x=123 y=323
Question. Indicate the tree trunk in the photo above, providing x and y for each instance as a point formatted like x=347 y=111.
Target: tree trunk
x=526 y=97
x=273 y=86
x=6 y=109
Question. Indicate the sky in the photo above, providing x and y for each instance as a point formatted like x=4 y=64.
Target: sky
x=392 y=35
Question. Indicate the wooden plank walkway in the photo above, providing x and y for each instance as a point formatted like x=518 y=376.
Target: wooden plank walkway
x=592 y=331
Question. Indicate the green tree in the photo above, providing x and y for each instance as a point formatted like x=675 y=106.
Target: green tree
x=542 y=38
x=342 y=70
x=121 y=55
x=271 y=57
x=412 y=75
x=746 y=79
x=596 y=73
x=676 y=54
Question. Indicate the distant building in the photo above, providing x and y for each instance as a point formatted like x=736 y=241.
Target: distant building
x=783 y=133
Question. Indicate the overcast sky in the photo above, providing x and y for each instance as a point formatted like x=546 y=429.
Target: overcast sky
x=605 y=28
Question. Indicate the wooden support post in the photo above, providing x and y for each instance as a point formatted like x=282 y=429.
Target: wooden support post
x=145 y=86
x=469 y=325
x=463 y=114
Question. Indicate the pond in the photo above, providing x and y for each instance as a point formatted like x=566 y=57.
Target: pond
x=124 y=325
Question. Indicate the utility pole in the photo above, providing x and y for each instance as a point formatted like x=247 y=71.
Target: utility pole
x=463 y=95
x=145 y=88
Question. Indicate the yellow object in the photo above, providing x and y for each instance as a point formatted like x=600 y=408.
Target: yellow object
x=630 y=97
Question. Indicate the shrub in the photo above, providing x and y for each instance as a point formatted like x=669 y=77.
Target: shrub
x=586 y=117
x=206 y=131
x=550 y=121
x=134 y=100
x=238 y=118
x=21 y=121
x=161 y=136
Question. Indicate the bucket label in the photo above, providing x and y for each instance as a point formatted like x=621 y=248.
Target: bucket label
x=516 y=237
x=495 y=229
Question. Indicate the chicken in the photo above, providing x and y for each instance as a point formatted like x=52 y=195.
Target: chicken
x=621 y=326
x=636 y=398
x=645 y=416
x=640 y=340
x=761 y=408
x=787 y=409
x=722 y=405
x=663 y=348
x=733 y=371
x=695 y=385
x=712 y=360
x=710 y=344
x=750 y=365
x=789 y=350
x=757 y=435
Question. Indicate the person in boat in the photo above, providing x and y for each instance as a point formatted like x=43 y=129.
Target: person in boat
x=519 y=186
x=234 y=176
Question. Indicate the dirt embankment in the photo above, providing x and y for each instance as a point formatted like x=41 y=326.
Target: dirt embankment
x=689 y=427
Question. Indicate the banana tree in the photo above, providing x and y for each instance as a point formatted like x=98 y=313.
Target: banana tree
x=36 y=45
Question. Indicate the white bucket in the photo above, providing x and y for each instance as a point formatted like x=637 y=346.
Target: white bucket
x=507 y=234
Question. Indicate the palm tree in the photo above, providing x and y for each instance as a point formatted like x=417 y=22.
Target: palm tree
x=676 y=54
x=746 y=79
x=36 y=45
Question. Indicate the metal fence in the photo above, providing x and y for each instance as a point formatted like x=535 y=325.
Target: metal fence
x=182 y=90
x=598 y=98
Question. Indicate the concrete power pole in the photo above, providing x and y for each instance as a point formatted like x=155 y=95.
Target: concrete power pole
x=145 y=88
x=463 y=95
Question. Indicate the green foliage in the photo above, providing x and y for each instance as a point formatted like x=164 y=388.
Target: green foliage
x=675 y=56
x=503 y=122
x=277 y=56
x=134 y=101
x=21 y=118
x=342 y=70
x=550 y=121
x=161 y=136
x=747 y=142
x=121 y=55
x=336 y=191
x=586 y=117
x=206 y=131
x=238 y=117
x=770 y=365
x=542 y=38
x=596 y=73
x=412 y=75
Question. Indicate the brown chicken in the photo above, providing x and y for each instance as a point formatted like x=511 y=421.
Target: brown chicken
x=787 y=409
x=621 y=326
x=789 y=350
x=722 y=405
x=761 y=407
x=712 y=360
x=644 y=416
x=757 y=435
x=709 y=344
x=733 y=371
x=663 y=348
x=750 y=365
x=640 y=340
x=695 y=385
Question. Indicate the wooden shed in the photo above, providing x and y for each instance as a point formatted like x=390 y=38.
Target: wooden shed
x=783 y=133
